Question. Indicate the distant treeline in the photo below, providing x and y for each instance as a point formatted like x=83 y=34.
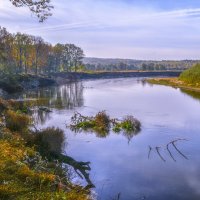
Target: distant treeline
x=129 y=64
x=23 y=53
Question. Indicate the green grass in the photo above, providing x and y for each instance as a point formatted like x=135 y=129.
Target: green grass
x=129 y=125
x=191 y=76
x=100 y=123
x=188 y=79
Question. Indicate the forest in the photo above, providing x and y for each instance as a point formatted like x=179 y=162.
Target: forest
x=116 y=64
x=23 y=53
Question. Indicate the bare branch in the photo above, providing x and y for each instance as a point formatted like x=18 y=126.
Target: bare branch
x=157 y=149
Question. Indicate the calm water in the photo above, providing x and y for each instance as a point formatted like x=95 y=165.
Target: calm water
x=141 y=166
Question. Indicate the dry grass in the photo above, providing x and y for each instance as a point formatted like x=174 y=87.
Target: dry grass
x=24 y=173
x=173 y=82
x=16 y=121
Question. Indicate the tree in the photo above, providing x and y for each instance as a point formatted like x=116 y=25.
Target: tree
x=41 y=8
x=22 y=53
x=77 y=56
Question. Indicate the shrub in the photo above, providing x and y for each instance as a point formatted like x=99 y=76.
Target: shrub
x=17 y=121
x=128 y=124
x=99 y=124
x=3 y=105
x=191 y=76
x=49 y=141
x=102 y=122
x=20 y=181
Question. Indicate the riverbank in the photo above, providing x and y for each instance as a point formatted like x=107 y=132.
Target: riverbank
x=70 y=76
x=29 y=168
x=18 y=83
x=174 y=82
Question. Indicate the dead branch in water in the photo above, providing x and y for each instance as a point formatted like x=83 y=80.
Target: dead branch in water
x=157 y=149
x=150 y=149
x=170 y=152
x=173 y=143
x=81 y=168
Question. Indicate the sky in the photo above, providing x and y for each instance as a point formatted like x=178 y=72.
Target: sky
x=135 y=29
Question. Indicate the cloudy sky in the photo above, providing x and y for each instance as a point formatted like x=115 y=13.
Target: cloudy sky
x=138 y=29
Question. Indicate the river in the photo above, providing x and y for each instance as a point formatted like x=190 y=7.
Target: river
x=161 y=162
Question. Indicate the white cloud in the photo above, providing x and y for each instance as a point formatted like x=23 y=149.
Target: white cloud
x=126 y=30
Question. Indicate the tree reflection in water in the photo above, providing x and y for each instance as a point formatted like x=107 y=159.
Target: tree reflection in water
x=63 y=97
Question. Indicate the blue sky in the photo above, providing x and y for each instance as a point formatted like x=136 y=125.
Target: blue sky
x=138 y=29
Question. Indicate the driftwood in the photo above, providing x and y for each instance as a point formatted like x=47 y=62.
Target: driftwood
x=157 y=149
x=81 y=168
x=50 y=146
x=170 y=152
x=172 y=143
x=150 y=149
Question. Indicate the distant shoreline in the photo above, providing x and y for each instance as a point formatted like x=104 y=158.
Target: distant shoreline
x=173 y=82
x=72 y=76
x=18 y=83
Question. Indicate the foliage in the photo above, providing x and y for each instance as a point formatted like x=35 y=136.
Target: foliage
x=24 y=172
x=17 y=121
x=191 y=76
x=162 y=81
x=21 y=178
x=23 y=53
x=48 y=141
x=41 y=8
x=108 y=64
x=101 y=124
x=128 y=124
x=3 y=105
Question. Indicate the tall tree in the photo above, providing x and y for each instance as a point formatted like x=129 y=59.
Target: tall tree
x=22 y=53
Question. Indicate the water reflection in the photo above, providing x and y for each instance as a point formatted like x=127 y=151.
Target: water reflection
x=165 y=114
x=104 y=134
x=130 y=135
x=63 y=97
x=40 y=116
x=191 y=93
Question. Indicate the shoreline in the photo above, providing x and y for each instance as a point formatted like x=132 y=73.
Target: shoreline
x=173 y=82
x=70 y=76
x=18 y=83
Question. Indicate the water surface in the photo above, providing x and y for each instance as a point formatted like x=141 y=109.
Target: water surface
x=141 y=166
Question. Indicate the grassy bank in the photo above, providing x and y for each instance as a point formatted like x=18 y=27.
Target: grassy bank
x=29 y=166
x=188 y=80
